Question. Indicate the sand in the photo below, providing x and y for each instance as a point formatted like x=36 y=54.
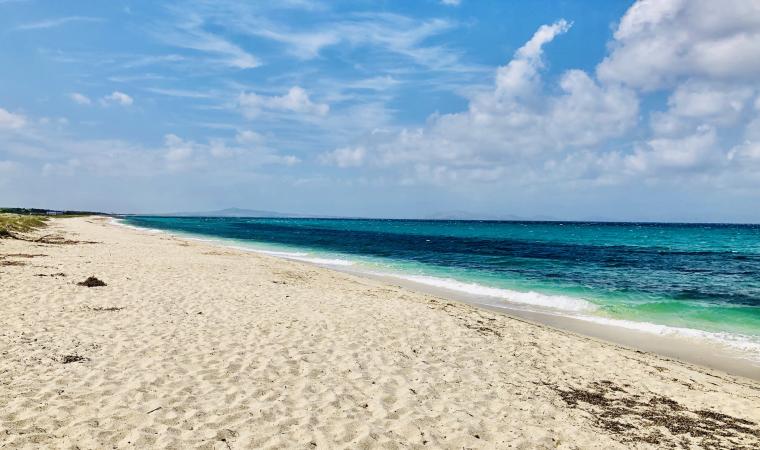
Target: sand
x=192 y=345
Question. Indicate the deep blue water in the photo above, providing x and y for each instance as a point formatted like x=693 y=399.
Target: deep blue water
x=703 y=277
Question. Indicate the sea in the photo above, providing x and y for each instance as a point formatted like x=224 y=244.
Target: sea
x=697 y=281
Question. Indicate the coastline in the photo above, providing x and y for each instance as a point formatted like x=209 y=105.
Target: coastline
x=686 y=345
x=695 y=351
x=194 y=343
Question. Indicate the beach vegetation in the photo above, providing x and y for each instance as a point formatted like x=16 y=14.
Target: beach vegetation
x=11 y=224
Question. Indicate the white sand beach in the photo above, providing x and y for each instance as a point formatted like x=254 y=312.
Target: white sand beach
x=192 y=345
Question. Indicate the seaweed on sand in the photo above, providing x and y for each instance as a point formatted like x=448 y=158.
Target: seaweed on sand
x=634 y=419
x=91 y=282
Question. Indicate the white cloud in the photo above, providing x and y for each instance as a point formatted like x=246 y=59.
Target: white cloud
x=694 y=152
x=611 y=109
x=381 y=83
x=747 y=153
x=520 y=76
x=80 y=98
x=533 y=49
x=387 y=32
x=117 y=97
x=248 y=146
x=177 y=150
x=710 y=101
x=345 y=157
x=9 y=120
x=249 y=137
x=62 y=121
x=189 y=33
x=451 y=2
x=304 y=45
x=659 y=42
x=181 y=93
x=296 y=100
x=57 y=22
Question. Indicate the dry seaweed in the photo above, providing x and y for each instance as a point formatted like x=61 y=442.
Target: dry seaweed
x=107 y=308
x=634 y=419
x=12 y=263
x=91 y=282
x=68 y=359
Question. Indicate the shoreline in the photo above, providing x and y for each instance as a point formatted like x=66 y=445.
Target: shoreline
x=192 y=344
x=701 y=352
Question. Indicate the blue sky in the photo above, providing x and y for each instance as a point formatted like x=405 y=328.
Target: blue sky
x=599 y=109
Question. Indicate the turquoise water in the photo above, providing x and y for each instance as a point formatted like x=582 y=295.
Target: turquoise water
x=659 y=277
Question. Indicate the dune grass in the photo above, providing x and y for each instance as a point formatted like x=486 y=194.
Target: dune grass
x=11 y=224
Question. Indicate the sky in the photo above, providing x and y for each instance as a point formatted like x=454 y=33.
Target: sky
x=577 y=110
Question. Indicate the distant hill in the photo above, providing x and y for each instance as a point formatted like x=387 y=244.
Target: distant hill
x=234 y=212
x=467 y=215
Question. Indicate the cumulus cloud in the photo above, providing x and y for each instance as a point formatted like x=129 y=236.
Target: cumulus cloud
x=706 y=56
x=345 y=157
x=118 y=98
x=9 y=120
x=746 y=153
x=659 y=42
x=694 y=152
x=296 y=100
x=183 y=154
x=177 y=150
x=80 y=99
x=249 y=137
x=704 y=101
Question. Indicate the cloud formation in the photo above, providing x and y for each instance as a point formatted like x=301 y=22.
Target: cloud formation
x=118 y=98
x=11 y=121
x=659 y=42
x=589 y=127
x=516 y=123
x=296 y=100
x=56 y=22
x=189 y=33
x=80 y=99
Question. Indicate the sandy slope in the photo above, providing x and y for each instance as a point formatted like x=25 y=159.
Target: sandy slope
x=192 y=345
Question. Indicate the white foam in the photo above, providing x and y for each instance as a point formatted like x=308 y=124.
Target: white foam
x=325 y=261
x=735 y=341
x=562 y=302
x=300 y=256
x=282 y=254
x=120 y=222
